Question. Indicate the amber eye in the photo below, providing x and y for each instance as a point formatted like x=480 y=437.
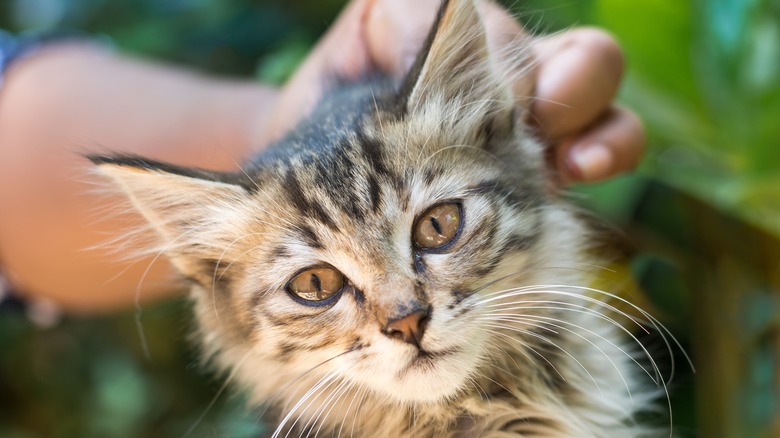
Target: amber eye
x=438 y=226
x=316 y=284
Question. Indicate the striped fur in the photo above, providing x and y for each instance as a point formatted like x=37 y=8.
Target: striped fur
x=514 y=346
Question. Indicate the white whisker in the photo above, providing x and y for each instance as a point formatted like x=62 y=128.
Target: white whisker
x=549 y=341
x=221 y=390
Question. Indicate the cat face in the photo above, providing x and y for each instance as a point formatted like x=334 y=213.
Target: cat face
x=365 y=246
x=335 y=278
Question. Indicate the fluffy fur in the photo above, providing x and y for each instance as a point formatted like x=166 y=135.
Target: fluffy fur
x=515 y=344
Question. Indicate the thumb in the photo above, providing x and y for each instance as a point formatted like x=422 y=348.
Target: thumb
x=395 y=31
x=341 y=52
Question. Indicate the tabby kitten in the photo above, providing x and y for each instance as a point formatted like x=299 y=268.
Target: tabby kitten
x=396 y=266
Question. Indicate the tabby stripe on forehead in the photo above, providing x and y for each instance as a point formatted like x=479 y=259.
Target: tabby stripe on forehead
x=372 y=150
x=280 y=252
x=375 y=192
x=309 y=236
x=299 y=200
x=339 y=177
x=432 y=173
x=486 y=187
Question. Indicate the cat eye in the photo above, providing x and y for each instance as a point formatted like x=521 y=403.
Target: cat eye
x=438 y=226
x=316 y=284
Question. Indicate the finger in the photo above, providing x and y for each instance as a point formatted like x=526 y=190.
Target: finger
x=612 y=146
x=340 y=53
x=509 y=43
x=370 y=34
x=578 y=76
x=394 y=35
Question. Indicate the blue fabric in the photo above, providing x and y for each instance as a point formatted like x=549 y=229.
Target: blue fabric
x=9 y=50
x=13 y=47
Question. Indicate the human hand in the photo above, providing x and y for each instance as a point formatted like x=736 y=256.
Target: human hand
x=573 y=86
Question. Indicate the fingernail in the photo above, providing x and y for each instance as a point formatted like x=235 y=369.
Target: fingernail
x=591 y=162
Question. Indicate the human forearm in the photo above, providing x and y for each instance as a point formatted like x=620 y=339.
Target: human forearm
x=72 y=99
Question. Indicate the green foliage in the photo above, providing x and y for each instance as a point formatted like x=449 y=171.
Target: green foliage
x=89 y=377
x=705 y=77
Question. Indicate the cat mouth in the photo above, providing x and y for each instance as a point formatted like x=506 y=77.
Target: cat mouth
x=425 y=359
x=430 y=376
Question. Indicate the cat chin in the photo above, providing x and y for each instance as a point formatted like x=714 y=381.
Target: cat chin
x=425 y=378
x=424 y=387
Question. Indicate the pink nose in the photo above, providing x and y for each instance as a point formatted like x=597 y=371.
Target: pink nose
x=409 y=328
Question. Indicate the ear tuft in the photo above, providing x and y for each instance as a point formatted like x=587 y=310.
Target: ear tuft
x=456 y=75
x=194 y=211
x=455 y=61
x=146 y=164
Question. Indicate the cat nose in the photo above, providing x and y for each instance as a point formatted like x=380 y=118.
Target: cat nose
x=408 y=328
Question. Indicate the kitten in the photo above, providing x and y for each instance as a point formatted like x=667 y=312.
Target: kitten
x=396 y=266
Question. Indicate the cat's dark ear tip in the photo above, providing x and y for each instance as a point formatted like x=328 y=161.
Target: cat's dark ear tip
x=136 y=163
x=121 y=160
x=97 y=159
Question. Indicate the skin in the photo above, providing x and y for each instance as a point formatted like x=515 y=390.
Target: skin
x=54 y=226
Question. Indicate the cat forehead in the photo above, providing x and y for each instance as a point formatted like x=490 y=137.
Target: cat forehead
x=380 y=165
x=363 y=189
x=383 y=146
x=360 y=169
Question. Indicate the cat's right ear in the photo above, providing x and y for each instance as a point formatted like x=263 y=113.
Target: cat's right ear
x=195 y=211
x=455 y=69
x=458 y=82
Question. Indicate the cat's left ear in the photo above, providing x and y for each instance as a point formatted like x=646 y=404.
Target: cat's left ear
x=192 y=210
x=456 y=75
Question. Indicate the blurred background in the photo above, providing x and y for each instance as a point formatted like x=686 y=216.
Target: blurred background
x=702 y=212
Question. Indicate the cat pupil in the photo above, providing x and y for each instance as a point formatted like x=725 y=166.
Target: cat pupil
x=316 y=283
x=436 y=225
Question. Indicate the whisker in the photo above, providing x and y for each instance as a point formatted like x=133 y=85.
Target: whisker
x=137 y=295
x=483 y=395
x=349 y=409
x=594 y=313
x=357 y=413
x=549 y=341
x=330 y=402
x=664 y=332
x=304 y=374
x=544 y=321
x=537 y=290
x=221 y=390
x=325 y=380
x=525 y=346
